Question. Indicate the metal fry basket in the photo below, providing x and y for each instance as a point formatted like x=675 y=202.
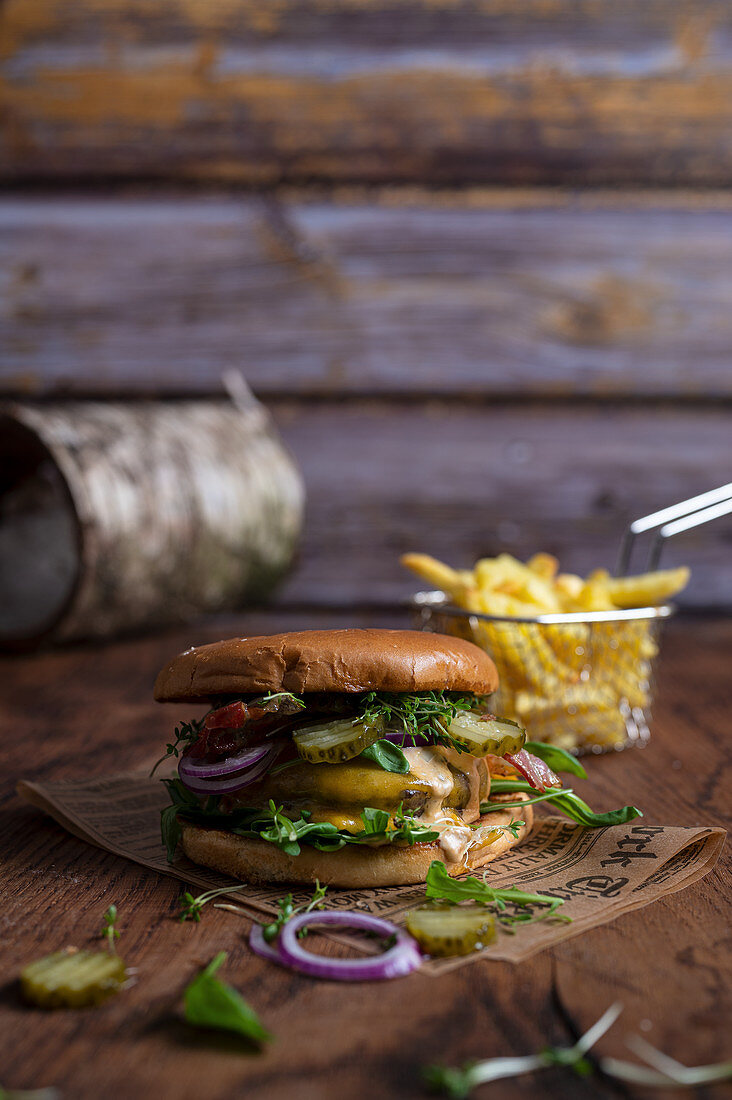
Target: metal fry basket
x=582 y=681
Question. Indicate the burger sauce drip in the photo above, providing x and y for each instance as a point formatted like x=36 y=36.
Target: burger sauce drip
x=429 y=765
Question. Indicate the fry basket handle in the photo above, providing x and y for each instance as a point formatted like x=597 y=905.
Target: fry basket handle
x=672 y=521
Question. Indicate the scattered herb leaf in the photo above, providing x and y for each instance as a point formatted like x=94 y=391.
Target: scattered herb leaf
x=211 y=1003
x=513 y=827
x=510 y=905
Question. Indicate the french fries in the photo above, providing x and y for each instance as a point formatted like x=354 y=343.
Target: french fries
x=580 y=685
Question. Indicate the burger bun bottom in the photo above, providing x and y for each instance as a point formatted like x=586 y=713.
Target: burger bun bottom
x=353 y=867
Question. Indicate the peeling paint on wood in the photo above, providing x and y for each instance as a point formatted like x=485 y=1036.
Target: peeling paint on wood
x=598 y=92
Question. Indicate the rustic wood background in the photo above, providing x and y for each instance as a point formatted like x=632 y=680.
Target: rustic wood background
x=476 y=256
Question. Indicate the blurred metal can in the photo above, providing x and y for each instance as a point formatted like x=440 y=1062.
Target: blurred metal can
x=127 y=515
x=582 y=681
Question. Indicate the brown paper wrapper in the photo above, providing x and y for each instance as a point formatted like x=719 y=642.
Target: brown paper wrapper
x=600 y=873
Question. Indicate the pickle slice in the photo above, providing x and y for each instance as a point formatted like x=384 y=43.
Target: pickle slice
x=335 y=742
x=456 y=931
x=72 y=979
x=479 y=736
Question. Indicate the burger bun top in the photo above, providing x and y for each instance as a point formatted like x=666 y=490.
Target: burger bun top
x=327 y=660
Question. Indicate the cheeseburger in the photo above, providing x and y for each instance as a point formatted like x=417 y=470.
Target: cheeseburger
x=355 y=757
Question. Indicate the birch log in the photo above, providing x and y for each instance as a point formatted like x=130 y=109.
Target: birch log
x=119 y=516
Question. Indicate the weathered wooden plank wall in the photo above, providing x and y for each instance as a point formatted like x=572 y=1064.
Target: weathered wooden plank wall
x=465 y=359
x=513 y=294
x=581 y=91
x=461 y=482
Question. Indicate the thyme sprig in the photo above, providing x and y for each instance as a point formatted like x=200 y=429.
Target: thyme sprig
x=185 y=733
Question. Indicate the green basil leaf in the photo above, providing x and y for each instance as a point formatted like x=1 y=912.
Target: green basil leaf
x=211 y=1003
x=387 y=756
x=570 y=804
x=557 y=759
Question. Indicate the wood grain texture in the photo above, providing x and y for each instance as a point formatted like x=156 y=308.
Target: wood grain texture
x=92 y=709
x=462 y=482
x=382 y=90
x=522 y=294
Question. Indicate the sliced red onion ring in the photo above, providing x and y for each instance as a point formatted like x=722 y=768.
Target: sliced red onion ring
x=244 y=759
x=535 y=771
x=260 y=946
x=396 y=962
x=260 y=759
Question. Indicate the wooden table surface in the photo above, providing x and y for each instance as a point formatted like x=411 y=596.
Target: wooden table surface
x=90 y=710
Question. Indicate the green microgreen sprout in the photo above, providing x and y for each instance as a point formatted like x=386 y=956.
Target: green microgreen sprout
x=665 y=1072
x=299 y=703
x=425 y=712
x=191 y=907
x=287 y=910
x=109 y=930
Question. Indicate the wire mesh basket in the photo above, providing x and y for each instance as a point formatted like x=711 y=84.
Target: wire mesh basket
x=581 y=681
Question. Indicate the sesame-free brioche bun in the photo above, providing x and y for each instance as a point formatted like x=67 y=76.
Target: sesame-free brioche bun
x=327 y=660
x=353 y=867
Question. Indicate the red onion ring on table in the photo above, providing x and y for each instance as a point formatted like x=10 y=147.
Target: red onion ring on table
x=396 y=962
x=260 y=946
